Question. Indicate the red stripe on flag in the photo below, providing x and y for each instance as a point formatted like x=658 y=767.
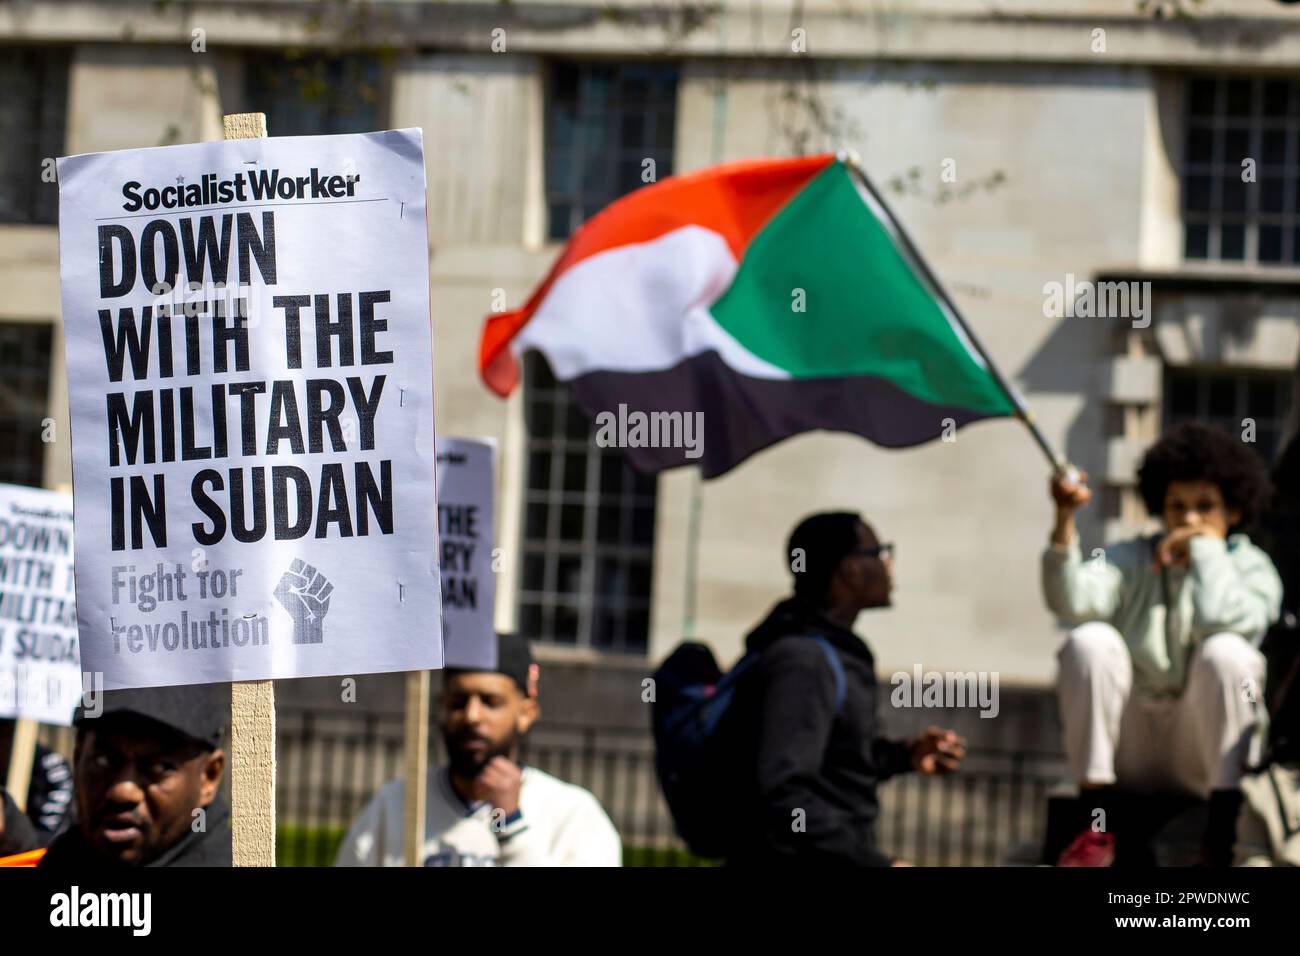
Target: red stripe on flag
x=735 y=200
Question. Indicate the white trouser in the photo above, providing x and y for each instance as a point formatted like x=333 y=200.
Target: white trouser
x=1192 y=744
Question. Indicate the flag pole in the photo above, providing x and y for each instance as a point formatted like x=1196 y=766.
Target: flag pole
x=1057 y=460
x=694 y=515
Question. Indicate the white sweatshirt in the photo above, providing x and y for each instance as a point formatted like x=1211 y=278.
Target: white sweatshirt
x=558 y=824
x=1228 y=586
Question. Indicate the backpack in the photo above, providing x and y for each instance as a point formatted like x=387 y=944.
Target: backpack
x=1268 y=827
x=703 y=740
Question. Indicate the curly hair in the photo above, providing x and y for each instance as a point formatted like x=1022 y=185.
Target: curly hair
x=1195 y=452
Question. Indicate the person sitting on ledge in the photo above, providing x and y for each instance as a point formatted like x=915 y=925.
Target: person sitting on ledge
x=1161 y=671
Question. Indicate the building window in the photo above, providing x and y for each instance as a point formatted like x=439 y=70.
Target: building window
x=33 y=114
x=312 y=95
x=24 y=398
x=604 y=123
x=1240 y=202
x=1228 y=399
x=588 y=541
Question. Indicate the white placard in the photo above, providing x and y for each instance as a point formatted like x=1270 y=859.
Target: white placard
x=466 y=529
x=251 y=387
x=40 y=674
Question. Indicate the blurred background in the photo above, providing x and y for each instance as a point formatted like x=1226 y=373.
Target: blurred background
x=1022 y=143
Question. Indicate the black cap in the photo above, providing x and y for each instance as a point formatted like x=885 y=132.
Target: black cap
x=514 y=660
x=198 y=711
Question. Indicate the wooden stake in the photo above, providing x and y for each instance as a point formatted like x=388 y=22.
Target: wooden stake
x=252 y=773
x=244 y=125
x=252 y=703
x=417 y=763
x=22 y=754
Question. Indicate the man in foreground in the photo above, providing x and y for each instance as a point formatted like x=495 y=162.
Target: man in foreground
x=147 y=772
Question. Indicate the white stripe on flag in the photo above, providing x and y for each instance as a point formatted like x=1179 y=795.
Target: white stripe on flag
x=641 y=307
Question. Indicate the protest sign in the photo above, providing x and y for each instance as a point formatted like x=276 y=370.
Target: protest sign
x=465 y=469
x=250 y=384
x=40 y=673
x=466 y=528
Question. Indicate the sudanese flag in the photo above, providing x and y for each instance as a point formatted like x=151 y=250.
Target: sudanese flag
x=775 y=296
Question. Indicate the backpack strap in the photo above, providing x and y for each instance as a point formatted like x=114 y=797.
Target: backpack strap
x=837 y=668
x=832 y=658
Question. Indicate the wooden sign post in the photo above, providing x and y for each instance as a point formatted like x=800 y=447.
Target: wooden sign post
x=417 y=764
x=22 y=754
x=252 y=703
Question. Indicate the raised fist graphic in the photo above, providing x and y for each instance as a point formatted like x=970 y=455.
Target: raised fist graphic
x=305 y=594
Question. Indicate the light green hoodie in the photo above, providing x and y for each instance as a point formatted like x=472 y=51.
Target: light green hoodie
x=1229 y=586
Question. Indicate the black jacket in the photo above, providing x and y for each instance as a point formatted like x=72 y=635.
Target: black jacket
x=72 y=851
x=49 y=803
x=812 y=757
x=49 y=796
x=19 y=834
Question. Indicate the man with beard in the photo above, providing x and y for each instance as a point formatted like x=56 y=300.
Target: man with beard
x=147 y=772
x=484 y=808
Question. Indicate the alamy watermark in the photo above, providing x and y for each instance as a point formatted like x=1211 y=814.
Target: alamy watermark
x=131 y=911
x=1086 y=299
x=950 y=689
x=624 y=429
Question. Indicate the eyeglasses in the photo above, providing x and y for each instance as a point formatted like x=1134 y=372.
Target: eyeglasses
x=885 y=550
